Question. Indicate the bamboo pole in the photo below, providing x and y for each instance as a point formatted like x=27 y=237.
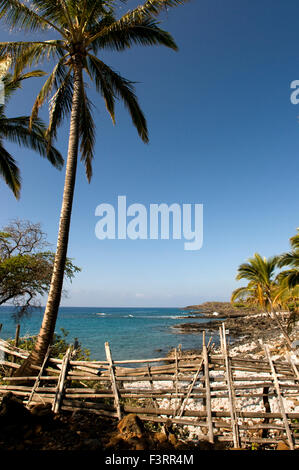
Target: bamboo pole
x=38 y=378
x=280 y=400
x=17 y=335
x=208 y=392
x=293 y=365
x=113 y=381
x=61 y=380
x=190 y=390
x=229 y=381
x=151 y=384
x=176 y=371
x=16 y=344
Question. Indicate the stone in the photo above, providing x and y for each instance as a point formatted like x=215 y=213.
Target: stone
x=160 y=437
x=42 y=410
x=172 y=439
x=142 y=444
x=13 y=411
x=281 y=445
x=131 y=426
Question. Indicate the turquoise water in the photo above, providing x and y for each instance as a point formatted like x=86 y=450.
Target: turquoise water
x=132 y=332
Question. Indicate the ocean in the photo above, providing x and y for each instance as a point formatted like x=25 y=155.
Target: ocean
x=133 y=333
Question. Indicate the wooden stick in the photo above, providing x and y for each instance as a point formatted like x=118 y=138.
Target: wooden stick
x=17 y=335
x=61 y=380
x=113 y=381
x=38 y=378
x=280 y=401
x=176 y=371
x=229 y=381
x=190 y=388
x=208 y=393
x=151 y=385
x=9 y=364
x=293 y=365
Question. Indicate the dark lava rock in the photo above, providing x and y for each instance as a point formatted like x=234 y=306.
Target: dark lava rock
x=13 y=412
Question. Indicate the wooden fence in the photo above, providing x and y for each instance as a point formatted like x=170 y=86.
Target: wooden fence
x=209 y=392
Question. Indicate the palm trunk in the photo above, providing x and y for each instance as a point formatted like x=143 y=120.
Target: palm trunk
x=282 y=329
x=46 y=333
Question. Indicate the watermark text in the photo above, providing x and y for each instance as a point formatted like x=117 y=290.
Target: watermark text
x=158 y=222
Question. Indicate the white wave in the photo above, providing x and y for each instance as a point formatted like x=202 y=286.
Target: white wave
x=172 y=317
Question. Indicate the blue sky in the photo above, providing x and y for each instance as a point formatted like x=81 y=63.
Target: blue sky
x=223 y=133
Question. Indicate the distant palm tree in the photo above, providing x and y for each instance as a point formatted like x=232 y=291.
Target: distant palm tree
x=288 y=293
x=260 y=272
x=16 y=130
x=84 y=29
x=288 y=298
x=291 y=259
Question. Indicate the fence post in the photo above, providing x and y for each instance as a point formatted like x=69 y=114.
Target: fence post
x=113 y=381
x=61 y=381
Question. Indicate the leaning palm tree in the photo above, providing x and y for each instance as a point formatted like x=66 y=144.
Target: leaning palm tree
x=260 y=290
x=16 y=130
x=83 y=28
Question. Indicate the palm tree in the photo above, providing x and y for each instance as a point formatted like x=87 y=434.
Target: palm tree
x=260 y=272
x=16 y=130
x=288 y=294
x=84 y=28
x=288 y=298
x=291 y=259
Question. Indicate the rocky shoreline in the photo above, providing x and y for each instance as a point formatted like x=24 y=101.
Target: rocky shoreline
x=223 y=309
x=243 y=326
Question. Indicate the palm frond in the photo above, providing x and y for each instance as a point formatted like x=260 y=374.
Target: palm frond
x=289 y=259
x=67 y=14
x=53 y=82
x=11 y=83
x=121 y=88
x=18 y=15
x=95 y=12
x=25 y=54
x=103 y=86
x=36 y=53
x=87 y=135
x=16 y=130
x=124 y=33
x=60 y=106
x=252 y=294
x=241 y=293
x=295 y=241
x=9 y=171
x=152 y=8
x=260 y=272
x=52 y=10
x=258 y=269
x=290 y=277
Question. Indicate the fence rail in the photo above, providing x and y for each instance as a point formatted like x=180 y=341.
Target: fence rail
x=183 y=390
